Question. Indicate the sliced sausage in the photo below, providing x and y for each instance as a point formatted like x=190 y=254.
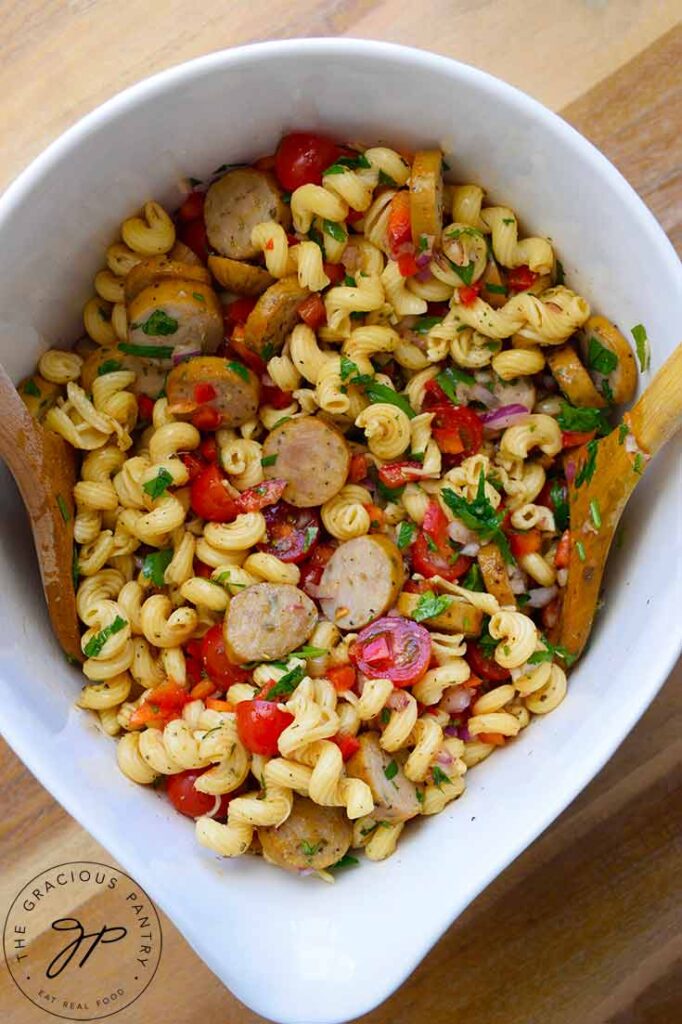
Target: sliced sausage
x=150 y=374
x=361 y=581
x=274 y=316
x=573 y=379
x=494 y=572
x=311 y=837
x=225 y=385
x=38 y=395
x=393 y=793
x=458 y=617
x=154 y=269
x=267 y=621
x=426 y=195
x=620 y=384
x=311 y=456
x=235 y=204
x=240 y=278
x=174 y=314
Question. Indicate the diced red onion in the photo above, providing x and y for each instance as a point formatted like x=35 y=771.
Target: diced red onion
x=461 y=534
x=517 y=581
x=451 y=730
x=505 y=416
x=539 y=597
x=480 y=393
x=464 y=734
x=183 y=352
x=423 y=258
x=470 y=550
x=456 y=699
x=444 y=758
x=423 y=274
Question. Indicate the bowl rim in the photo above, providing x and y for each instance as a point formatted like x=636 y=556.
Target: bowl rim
x=148 y=88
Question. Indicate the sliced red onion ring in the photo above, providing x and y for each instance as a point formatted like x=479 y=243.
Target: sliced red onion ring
x=505 y=416
x=540 y=597
x=183 y=352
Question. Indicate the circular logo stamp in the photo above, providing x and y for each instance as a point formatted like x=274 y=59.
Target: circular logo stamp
x=82 y=940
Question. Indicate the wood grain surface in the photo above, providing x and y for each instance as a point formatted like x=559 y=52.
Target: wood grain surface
x=586 y=926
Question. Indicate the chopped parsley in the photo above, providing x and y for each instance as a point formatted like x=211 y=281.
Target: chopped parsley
x=496 y=289
x=348 y=163
x=642 y=344
x=268 y=350
x=155 y=565
x=508 y=220
x=582 y=420
x=424 y=324
x=586 y=471
x=386 y=179
x=558 y=497
x=63 y=508
x=448 y=380
x=309 y=849
x=473 y=579
x=595 y=513
x=239 y=369
x=406 y=532
x=580 y=548
x=391 y=770
x=287 y=684
x=316 y=236
x=430 y=605
x=430 y=542
x=146 y=351
x=423 y=243
x=31 y=388
x=439 y=776
x=280 y=421
x=385 y=716
x=419 y=795
x=348 y=368
x=96 y=643
x=347 y=861
x=600 y=358
x=109 y=366
x=158 y=485
x=75 y=568
x=310 y=536
x=198 y=296
x=334 y=231
x=559 y=273
x=349 y=281
x=551 y=652
x=377 y=392
x=638 y=464
x=480 y=516
x=466 y=272
x=310 y=652
x=269 y=460
x=159 y=324
x=623 y=431
x=486 y=642
x=458 y=232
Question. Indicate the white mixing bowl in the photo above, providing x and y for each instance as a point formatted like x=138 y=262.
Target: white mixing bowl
x=295 y=949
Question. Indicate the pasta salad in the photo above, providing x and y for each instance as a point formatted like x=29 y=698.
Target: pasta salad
x=321 y=527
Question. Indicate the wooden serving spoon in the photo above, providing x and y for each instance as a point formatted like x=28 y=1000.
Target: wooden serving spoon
x=601 y=477
x=44 y=468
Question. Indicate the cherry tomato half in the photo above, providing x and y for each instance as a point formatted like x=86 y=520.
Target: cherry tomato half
x=311 y=572
x=574 y=438
x=145 y=408
x=209 y=497
x=468 y=293
x=292 y=532
x=393 y=648
x=399 y=227
x=312 y=312
x=278 y=399
x=521 y=278
x=189 y=801
x=483 y=666
x=432 y=554
x=397 y=474
x=525 y=543
x=193 y=234
x=259 y=497
x=302 y=157
x=238 y=311
x=348 y=745
x=260 y=723
x=192 y=207
x=217 y=665
x=456 y=429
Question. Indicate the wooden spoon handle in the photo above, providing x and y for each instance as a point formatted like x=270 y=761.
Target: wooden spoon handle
x=657 y=414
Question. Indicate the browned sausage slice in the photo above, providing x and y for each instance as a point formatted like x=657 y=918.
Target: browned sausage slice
x=311 y=837
x=274 y=316
x=161 y=268
x=311 y=456
x=267 y=621
x=150 y=374
x=458 y=617
x=240 y=278
x=393 y=793
x=494 y=573
x=573 y=379
x=426 y=195
x=236 y=388
x=174 y=314
x=620 y=384
x=235 y=204
x=361 y=581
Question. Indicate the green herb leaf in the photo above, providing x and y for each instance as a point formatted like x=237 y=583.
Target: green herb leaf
x=377 y=392
x=642 y=344
x=386 y=179
x=559 y=499
x=158 y=485
x=287 y=684
x=424 y=324
x=96 y=643
x=496 y=289
x=559 y=274
x=508 y=220
x=75 y=568
x=316 y=236
x=224 y=579
x=63 y=508
x=391 y=770
x=550 y=653
x=31 y=388
x=466 y=273
x=309 y=849
x=334 y=230
x=347 y=861
x=109 y=366
x=595 y=513
x=423 y=243
x=385 y=716
x=580 y=548
x=623 y=431
x=439 y=776
x=239 y=369
x=600 y=358
x=638 y=463
x=480 y=516
x=448 y=380
x=586 y=471
x=146 y=351
x=155 y=565
x=310 y=652
x=473 y=580
x=158 y=324
x=348 y=368
x=280 y=421
x=269 y=460
x=198 y=296
x=349 y=281
x=310 y=536
x=348 y=163
x=419 y=795
x=430 y=605
x=486 y=642
x=268 y=350
x=406 y=533
x=582 y=419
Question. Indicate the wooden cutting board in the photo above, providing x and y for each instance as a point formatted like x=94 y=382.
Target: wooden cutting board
x=585 y=927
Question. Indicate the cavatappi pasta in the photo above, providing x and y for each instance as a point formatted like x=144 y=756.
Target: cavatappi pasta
x=321 y=527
